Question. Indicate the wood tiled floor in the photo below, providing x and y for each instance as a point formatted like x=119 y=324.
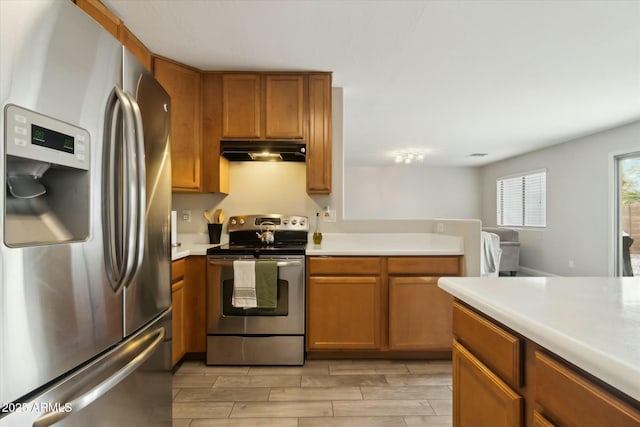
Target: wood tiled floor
x=333 y=393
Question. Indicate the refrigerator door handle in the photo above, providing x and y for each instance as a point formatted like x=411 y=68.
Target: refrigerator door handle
x=130 y=171
x=110 y=237
x=83 y=400
x=115 y=204
x=120 y=241
x=140 y=173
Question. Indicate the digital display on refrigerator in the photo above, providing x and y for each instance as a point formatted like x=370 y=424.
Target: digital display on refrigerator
x=52 y=139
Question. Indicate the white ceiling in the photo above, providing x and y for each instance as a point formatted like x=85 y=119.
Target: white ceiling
x=449 y=78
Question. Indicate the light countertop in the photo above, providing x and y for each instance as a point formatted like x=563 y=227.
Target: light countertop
x=381 y=244
x=192 y=244
x=350 y=244
x=189 y=249
x=591 y=322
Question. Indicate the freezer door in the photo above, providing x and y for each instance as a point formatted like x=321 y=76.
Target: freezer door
x=128 y=387
x=150 y=292
x=57 y=309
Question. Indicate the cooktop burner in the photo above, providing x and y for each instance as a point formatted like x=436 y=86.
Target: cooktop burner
x=265 y=234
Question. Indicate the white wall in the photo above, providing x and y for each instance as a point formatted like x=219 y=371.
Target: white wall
x=408 y=192
x=579 y=194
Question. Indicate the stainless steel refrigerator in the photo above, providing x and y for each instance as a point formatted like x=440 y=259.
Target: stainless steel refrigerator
x=85 y=336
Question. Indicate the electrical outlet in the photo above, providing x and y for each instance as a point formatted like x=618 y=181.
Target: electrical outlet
x=439 y=227
x=329 y=215
x=186 y=215
x=572 y=264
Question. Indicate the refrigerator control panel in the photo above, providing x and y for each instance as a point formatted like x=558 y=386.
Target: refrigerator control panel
x=31 y=135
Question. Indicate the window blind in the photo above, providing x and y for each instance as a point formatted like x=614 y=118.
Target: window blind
x=521 y=200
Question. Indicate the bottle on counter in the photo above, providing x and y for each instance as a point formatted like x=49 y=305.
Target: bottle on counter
x=317 y=235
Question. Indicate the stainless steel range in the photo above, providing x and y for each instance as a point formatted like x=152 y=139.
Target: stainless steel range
x=247 y=332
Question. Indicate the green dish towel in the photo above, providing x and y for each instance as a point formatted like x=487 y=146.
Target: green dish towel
x=267 y=284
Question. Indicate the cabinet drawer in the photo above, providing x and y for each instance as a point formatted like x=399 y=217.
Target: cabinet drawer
x=495 y=347
x=428 y=266
x=588 y=403
x=177 y=269
x=343 y=265
x=480 y=397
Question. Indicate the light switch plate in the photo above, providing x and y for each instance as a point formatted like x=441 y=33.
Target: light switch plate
x=186 y=215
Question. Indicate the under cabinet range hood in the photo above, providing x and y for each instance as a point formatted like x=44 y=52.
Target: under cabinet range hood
x=269 y=151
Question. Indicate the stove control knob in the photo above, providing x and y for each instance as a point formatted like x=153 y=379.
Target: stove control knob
x=285 y=221
x=241 y=221
x=233 y=222
x=294 y=222
x=302 y=222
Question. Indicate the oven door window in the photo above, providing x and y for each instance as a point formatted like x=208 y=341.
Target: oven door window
x=282 y=307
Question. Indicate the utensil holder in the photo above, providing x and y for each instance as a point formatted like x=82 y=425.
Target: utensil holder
x=215 y=230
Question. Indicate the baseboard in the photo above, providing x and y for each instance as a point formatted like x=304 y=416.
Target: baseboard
x=524 y=271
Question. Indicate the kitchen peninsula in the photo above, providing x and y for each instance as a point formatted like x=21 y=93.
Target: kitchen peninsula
x=546 y=350
x=409 y=244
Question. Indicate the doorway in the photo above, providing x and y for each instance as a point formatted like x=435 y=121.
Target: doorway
x=628 y=214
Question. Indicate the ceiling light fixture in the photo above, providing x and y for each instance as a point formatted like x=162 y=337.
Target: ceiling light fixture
x=408 y=157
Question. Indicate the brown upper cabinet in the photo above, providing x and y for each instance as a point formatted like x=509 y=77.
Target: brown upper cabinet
x=263 y=106
x=241 y=105
x=183 y=85
x=319 y=135
x=284 y=110
x=195 y=128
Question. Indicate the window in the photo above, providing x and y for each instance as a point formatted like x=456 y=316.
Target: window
x=522 y=200
x=627 y=217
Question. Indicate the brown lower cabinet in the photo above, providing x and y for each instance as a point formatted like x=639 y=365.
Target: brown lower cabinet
x=503 y=379
x=588 y=403
x=195 y=319
x=379 y=305
x=333 y=320
x=419 y=314
x=177 y=306
x=188 y=304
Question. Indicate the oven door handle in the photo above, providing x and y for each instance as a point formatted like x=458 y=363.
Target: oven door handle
x=278 y=264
